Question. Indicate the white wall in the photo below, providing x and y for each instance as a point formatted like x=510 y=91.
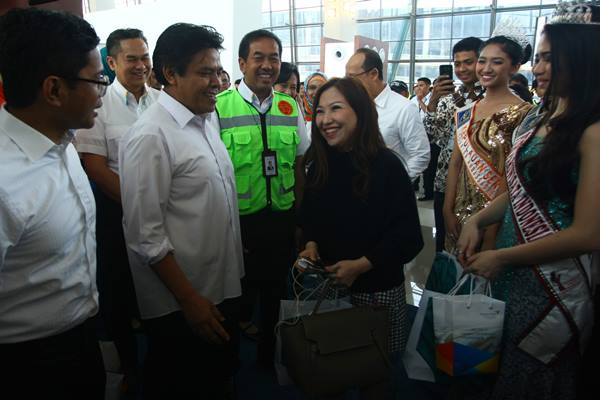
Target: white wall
x=232 y=18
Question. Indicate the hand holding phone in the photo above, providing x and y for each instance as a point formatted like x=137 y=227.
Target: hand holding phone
x=446 y=69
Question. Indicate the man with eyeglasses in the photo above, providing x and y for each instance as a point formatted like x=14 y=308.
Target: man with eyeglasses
x=399 y=121
x=126 y=99
x=53 y=82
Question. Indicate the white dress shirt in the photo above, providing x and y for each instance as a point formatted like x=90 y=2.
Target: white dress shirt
x=415 y=100
x=119 y=111
x=47 y=235
x=263 y=107
x=403 y=130
x=178 y=192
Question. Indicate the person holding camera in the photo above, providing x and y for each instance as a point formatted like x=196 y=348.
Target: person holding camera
x=350 y=171
x=439 y=119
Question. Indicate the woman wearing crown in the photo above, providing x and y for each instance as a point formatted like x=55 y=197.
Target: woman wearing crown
x=549 y=239
x=483 y=136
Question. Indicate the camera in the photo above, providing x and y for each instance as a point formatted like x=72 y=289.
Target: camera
x=446 y=69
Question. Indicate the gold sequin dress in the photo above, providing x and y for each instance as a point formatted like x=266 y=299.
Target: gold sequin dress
x=491 y=138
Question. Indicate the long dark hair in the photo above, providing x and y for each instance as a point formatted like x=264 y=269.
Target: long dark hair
x=365 y=143
x=575 y=78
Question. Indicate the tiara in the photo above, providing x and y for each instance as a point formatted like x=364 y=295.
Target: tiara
x=510 y=29
x=575 y=12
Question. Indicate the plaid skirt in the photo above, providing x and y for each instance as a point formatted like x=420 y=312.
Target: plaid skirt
x=395 y=301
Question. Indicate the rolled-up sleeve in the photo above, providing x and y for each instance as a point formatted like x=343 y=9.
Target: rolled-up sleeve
x=145 y=169
x=414 y=140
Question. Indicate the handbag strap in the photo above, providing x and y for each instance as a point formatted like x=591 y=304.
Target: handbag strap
x=322 y=295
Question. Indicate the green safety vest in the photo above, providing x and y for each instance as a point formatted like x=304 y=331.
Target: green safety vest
x=242 y=134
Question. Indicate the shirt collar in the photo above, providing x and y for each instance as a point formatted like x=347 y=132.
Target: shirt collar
x=248 y=95
x=32 y=143
x=126 y=96
x=382 y=97
x=182 y=115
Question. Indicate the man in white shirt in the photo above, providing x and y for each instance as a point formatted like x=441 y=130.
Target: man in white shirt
x=421 y=99
x=181 y=223
x=48 y=294
x=126 y=99
x=262 y=128
x=399 y=121
x=422 y=95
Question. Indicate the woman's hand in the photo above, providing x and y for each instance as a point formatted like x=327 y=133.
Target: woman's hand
x=345 y=272
x=311 y=251
x=453 y=226
x=469 y=240
x=487 y=264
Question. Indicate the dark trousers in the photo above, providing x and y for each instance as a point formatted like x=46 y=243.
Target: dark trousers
x=118 y=303
x=440 y=227
x=429 y=173
x=67 y=366
x=268 y=239
x=182 y=365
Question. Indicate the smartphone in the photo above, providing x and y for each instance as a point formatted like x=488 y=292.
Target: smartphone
x=446 y=69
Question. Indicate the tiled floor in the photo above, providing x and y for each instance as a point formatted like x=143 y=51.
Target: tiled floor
x=254 y=383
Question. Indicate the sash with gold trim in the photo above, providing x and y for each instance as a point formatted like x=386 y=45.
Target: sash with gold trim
x=486 y=177
x=568 y=282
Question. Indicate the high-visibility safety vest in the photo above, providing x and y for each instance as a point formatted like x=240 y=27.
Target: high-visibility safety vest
x=247 y=134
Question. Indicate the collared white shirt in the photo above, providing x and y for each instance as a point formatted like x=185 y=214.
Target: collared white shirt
x=119 y=111
x=178 y=193
x=47 y=235
x=263 y=107
x=403 y=130
x=415 y=100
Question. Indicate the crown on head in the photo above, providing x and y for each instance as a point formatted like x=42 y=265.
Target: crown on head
x=508 y=27
x=576 y=12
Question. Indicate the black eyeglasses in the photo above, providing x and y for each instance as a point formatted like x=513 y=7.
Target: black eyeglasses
x=360 y=73
x=101 y=84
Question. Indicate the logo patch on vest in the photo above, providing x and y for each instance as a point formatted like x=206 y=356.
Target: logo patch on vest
x=285 y=107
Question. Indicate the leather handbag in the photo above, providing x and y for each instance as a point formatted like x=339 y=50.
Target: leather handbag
x=328 y=353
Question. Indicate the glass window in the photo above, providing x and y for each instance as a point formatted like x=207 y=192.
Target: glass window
x=283 y=35
x=471 y=25
x=395 y=8
x=433 y=49
x=395 y=30
x=466 y=5
x=399 y=51
x=434 y=28
x=369 y=29
x=308 y=16
x=307 y=3
x=307 y=69
x=368 y=9
x=309 y=53
x=398 y=71
x=280 y=5
x=517 y=3
x=286 y=54
x=280 y=18
x=266 y=20
x=433 y=6
x=266 y=5
x=524 y=19
x=308 y=35
x=429 y=70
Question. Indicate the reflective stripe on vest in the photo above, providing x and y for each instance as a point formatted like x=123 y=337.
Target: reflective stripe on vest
x=241 y=133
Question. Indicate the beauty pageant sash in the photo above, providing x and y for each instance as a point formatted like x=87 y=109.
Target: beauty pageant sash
x=568 y=281
x=486 y=177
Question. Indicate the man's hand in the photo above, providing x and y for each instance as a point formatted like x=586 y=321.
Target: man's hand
x=443 y=87
x=205 y=319
x=345 y=272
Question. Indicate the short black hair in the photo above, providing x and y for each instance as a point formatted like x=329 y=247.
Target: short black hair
x=521 y=79
x=253 y=36
x=399 y=86
x=467 y=44
x=237 y=81
x=178 y=44
x=425 y=79
x=287 y=69
x=36 y=43
x=226 y=73
x=113 y=43
x=372 y=60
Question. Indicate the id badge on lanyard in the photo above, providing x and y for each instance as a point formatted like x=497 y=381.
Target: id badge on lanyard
x=269 y=159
